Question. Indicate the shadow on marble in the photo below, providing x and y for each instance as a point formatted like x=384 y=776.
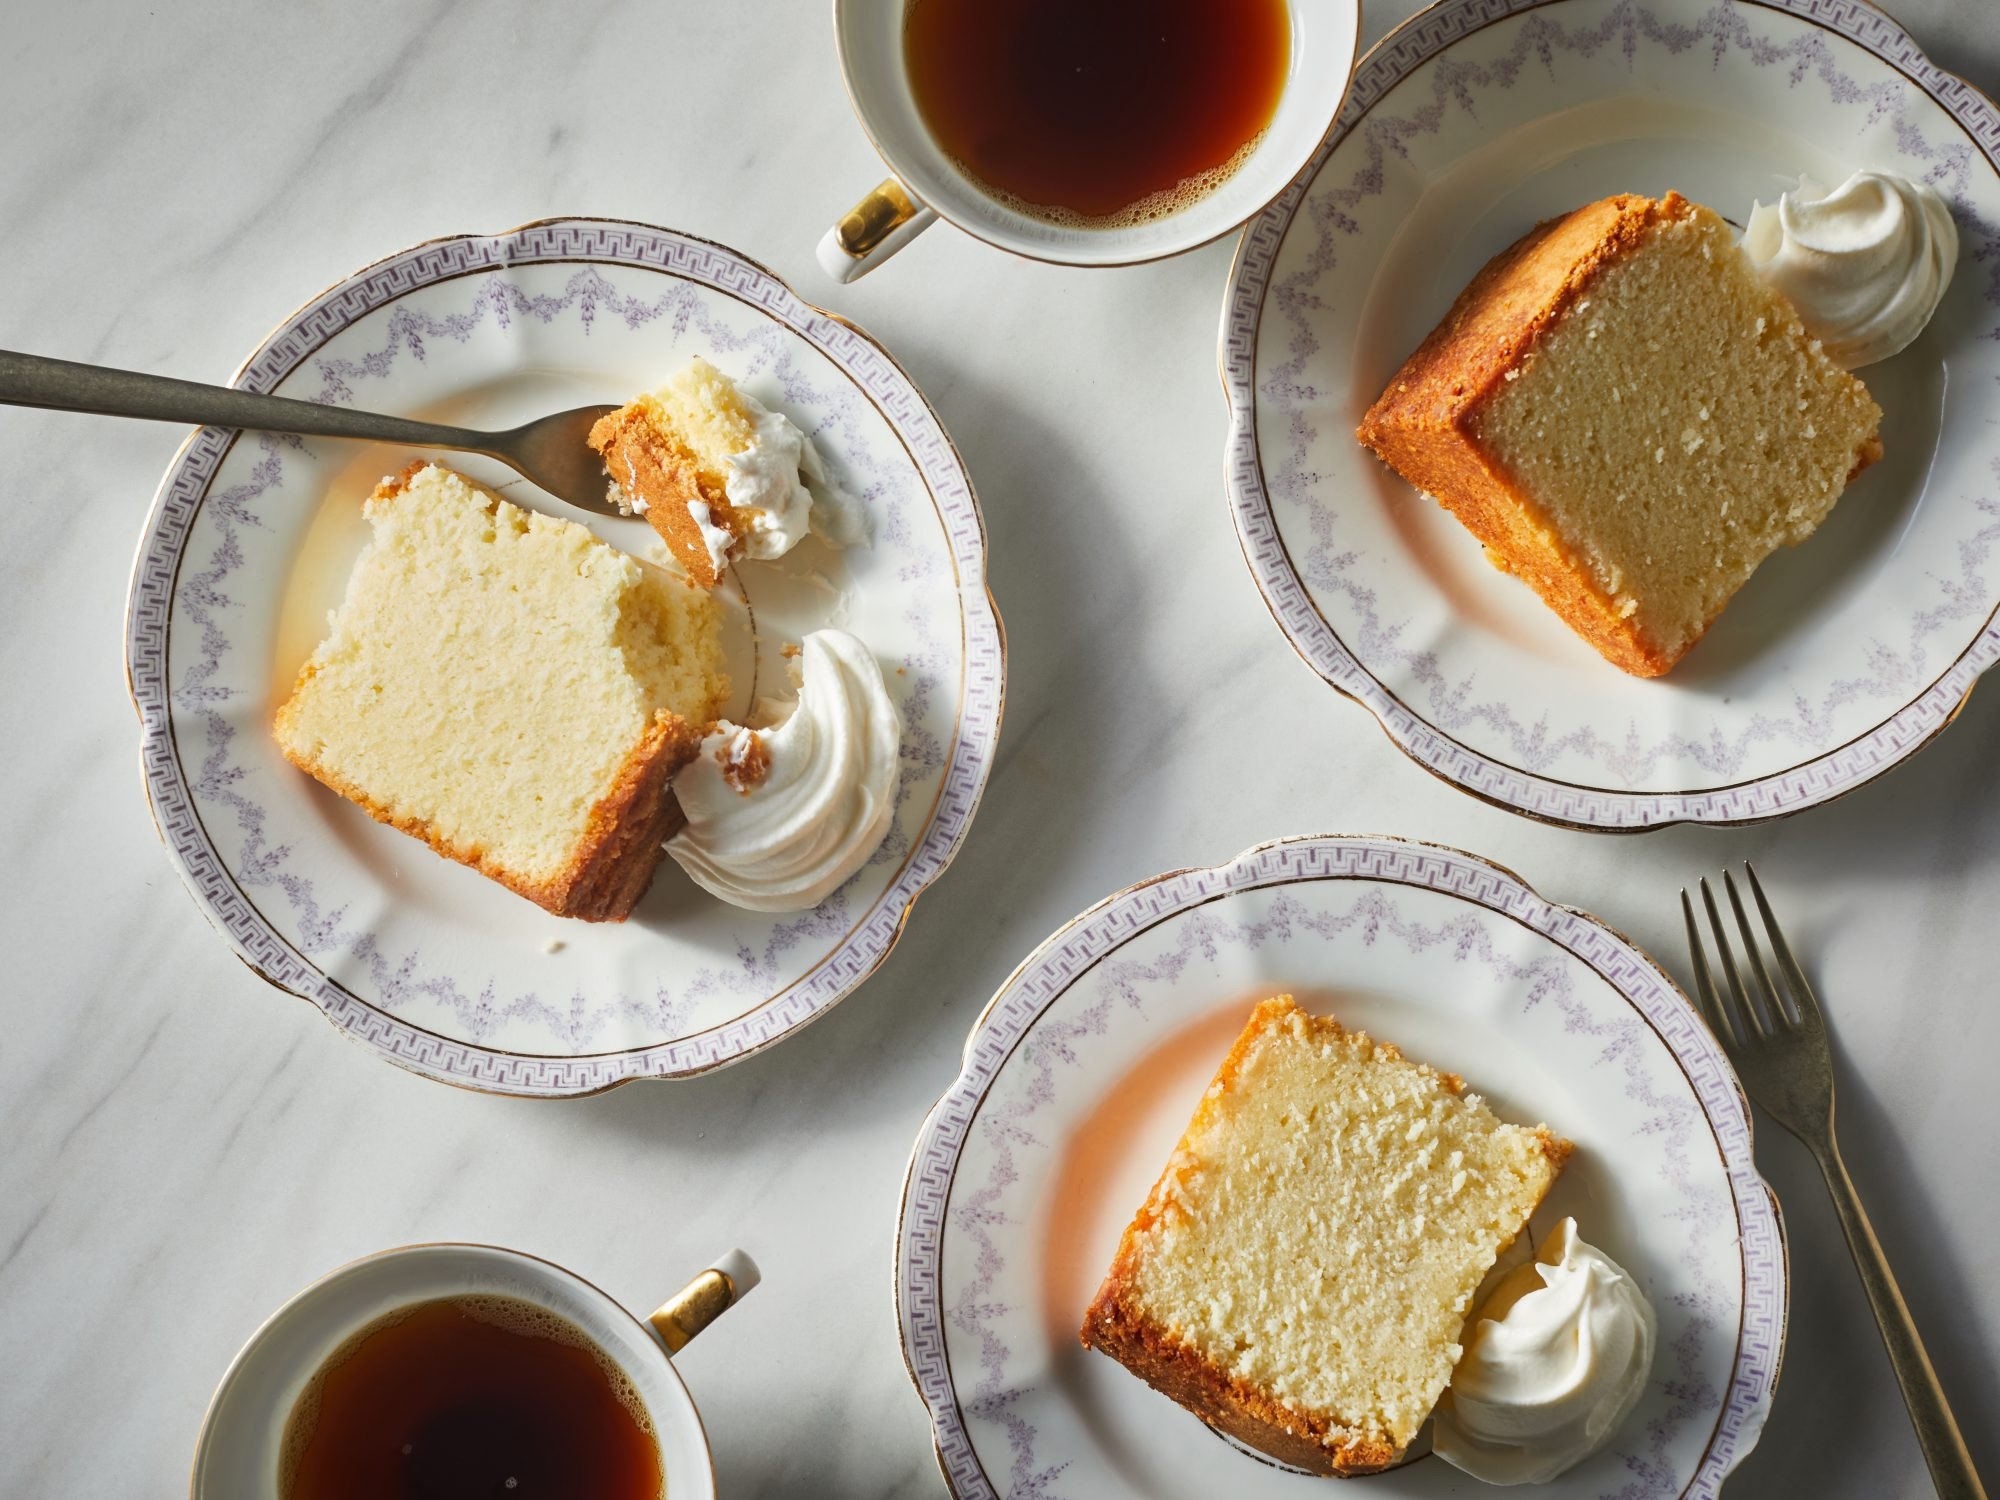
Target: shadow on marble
x=1932 y=820
x=1836 y=1375
x=1938 y=1285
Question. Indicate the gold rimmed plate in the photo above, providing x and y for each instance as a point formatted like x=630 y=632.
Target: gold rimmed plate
x=249 y=544
x=1082 y=1072
x=1464 y=128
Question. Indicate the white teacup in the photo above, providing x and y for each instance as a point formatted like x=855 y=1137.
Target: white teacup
x=241 y=1438
x=927 y=185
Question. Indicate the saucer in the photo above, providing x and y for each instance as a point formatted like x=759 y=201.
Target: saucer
x=1465 y=127
x=1082 y=1072
x=249 y=545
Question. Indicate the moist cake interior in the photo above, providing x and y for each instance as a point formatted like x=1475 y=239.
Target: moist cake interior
x=1677 y=431
x=493 y=671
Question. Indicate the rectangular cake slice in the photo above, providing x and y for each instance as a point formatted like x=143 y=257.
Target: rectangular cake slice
x=1629 y=419
x=1301 y=1272
x=504 y=686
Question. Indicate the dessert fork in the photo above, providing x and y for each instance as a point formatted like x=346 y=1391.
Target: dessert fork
x=550 y=452
x=1778 y=1041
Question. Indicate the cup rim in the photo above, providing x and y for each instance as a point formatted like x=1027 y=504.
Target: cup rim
x=1304 y=163
x=257 y=1335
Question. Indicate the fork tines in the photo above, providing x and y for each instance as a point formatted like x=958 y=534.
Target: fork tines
x=1742 y=1018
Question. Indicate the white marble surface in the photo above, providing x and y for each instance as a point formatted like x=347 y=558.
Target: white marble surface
x=183 y=1147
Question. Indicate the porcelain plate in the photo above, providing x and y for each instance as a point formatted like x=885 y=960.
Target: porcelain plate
x=249 y=545
x=1084 y=1069
x=1465 y=127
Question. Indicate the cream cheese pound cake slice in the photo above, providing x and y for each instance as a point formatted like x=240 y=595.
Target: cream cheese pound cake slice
x=1301 y=1273
x=504 y=686
x=1630 y=419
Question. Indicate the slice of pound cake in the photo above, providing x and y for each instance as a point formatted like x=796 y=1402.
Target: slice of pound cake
x=1630 y=419
x=1302 y=1270
x=512 y=691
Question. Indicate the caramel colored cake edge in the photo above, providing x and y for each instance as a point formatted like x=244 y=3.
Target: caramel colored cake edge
x=629 y=443
x=1440 y=389
x=627 y=829
x=1114 y=1325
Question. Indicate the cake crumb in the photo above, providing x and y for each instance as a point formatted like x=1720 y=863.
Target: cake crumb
x=553 y=945
x=745 y=761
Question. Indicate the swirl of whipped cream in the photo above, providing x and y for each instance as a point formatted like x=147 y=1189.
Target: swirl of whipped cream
x=1556 y=1359
x=777 y=818
x=769 y=481
x=1865 y=264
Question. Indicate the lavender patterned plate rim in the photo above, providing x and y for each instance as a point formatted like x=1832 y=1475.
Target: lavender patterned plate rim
x=464 y=311
x=980 y=1172
x=1552 y=752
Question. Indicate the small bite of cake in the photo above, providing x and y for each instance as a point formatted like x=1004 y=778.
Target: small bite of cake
x=1629 y=419
x=504 y=686
x=1300 y=1275
x=719 y=475
x=779 y=817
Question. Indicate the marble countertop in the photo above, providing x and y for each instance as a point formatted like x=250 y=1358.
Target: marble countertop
x=184 y=1147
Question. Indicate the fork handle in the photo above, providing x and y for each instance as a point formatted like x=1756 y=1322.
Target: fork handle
x=62 y=385
x=1937 y=1431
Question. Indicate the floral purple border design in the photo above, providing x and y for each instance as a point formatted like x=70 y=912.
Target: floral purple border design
x=1716 y=26
x=187 y=489
x=1014 y=1025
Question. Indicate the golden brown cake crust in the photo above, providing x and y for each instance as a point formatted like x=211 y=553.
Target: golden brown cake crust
x=627 y=830
x=1229 y=1405
x=1115 y=1325
x=625 y=833
x=1424 y=424
x=650 y=472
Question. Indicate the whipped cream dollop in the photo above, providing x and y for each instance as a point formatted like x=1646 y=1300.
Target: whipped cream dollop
x=1555 y=1360
x=781 y=483
x=1865 y=264
x=777 y=818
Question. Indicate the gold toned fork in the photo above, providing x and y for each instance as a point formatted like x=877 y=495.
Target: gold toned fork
x=1776 y=1037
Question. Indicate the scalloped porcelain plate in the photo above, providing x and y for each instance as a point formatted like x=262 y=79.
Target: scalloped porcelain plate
x=249 y=545
x=1466 y=126
x=1083 y=1071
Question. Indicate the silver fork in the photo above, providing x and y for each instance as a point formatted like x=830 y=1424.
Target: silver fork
x=550 y=452
x=1777 y=1039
